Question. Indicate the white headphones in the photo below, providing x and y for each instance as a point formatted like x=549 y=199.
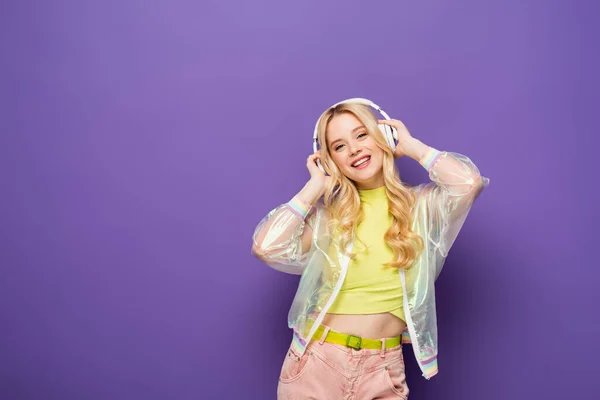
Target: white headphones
x=389 y=132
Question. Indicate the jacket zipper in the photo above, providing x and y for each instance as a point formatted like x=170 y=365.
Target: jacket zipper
x=411 y=327
x=336 y=290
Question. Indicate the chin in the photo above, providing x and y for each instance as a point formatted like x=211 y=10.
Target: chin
x=363 y=176
x=368 y=178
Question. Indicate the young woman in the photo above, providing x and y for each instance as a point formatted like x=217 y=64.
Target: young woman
x=368 y=248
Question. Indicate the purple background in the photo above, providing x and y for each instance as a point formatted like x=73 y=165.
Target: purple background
x=141 y=143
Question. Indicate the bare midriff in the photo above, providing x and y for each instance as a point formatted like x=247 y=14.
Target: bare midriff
x=370 y=326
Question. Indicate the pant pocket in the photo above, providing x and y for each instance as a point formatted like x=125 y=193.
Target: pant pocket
x=294 y=366
x=396 y=378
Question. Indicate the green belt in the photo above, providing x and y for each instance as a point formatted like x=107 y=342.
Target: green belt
x=355 y=342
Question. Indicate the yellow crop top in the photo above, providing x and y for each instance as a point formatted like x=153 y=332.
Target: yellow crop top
x=370 y=287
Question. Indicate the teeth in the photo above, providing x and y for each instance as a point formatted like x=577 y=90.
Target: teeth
x=361 y=161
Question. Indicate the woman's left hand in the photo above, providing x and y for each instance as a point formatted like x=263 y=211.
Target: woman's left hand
x=404 y=137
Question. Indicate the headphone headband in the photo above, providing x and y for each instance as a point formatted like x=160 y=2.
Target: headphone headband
x=358 y=100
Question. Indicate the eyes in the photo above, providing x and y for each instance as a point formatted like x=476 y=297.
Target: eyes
x=360 y=136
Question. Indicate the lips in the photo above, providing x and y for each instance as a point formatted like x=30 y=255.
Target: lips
x=361 y=162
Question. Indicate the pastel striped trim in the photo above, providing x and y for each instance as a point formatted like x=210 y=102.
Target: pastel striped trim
x=298 y=344
x=429 y=158
x=406 y=337
x=430 y=368
x=299 y=207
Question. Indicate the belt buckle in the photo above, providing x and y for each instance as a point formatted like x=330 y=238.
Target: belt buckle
x=357 y=345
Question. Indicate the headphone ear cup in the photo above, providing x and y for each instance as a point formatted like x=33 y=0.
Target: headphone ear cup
x=393 y=137
x=388 y=133
x=320 y=165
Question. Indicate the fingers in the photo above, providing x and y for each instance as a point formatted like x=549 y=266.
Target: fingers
x=311 y=163
x=314 y=156
x=311 y=160
x=392 y=122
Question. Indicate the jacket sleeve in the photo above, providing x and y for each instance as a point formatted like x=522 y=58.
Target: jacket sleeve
x=455 y=185
x=282 y=239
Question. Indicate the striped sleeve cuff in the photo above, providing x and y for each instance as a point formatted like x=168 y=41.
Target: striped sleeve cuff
x=299 y=207
x=429 y=158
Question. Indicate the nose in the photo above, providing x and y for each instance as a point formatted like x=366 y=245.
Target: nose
x=354 y=149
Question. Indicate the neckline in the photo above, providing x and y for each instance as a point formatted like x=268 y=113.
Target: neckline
x=377 y=189
x=378 y=192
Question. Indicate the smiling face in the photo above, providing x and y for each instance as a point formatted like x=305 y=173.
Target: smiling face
x=355 y=151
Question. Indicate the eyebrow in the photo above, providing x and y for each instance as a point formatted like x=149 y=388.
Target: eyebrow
x=353 y=130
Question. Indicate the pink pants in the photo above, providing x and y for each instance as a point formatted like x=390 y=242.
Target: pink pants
x=329 y=371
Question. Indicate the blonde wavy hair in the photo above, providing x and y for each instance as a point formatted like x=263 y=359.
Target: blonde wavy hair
x=343 y=201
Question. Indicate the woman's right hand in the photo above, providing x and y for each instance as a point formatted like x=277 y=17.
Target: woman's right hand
x=318 y=179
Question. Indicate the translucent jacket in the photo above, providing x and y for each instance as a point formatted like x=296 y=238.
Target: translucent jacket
x=292 y=238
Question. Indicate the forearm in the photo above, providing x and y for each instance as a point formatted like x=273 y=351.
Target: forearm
x=281 y=226
x=445 y=168
x=421 y=153
x=455 y=184
x=415 y=149
x=309 y=194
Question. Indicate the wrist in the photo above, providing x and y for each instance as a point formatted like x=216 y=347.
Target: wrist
x=415 y=149
x=429 y=157
x=311 y=192
x=299 y=207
